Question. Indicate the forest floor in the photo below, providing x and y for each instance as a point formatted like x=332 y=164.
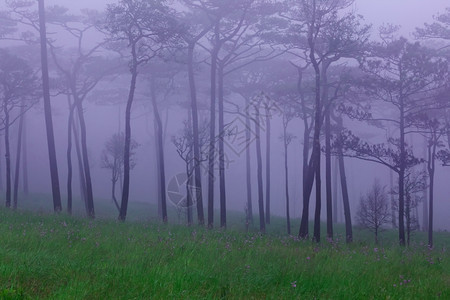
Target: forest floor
x=43 y=256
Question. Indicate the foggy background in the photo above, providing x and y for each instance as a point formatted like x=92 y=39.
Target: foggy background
x=103 y=120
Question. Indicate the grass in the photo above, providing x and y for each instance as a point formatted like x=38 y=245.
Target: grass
x=59 y=257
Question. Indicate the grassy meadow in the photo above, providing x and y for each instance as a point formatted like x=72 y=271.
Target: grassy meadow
x=43 y=256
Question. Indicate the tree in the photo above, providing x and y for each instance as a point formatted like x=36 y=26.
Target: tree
x=18 y=86
x=48 y=111
x=113 y=159
x=193 y=33
x=321 y=44
x=80 y=71
x=184 y=144
x=145 y=27
x=373 y=210
x=287 y=138
x=401 y=76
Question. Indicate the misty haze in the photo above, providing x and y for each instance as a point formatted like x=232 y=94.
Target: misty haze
x=224 y=149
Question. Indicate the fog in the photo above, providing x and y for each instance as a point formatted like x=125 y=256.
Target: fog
x=105 y=106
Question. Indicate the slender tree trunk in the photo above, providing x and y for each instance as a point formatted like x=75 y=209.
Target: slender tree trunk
x=212 y=135
x=127 y=148
x=431 y=169
x=48 y=111
x=286 y=176
x=335 y=190
x=222 y=187
x=197 y=158
x=425 y=192
x=391 y=187
x=318 y=200
x=316 y=156
x=69 y=158
x=344 y=189
x=80 y=165
x=86 y=166
x=18 y=152
x=262 y=224
x=190 y=168
x=249 y=208
x=159 y=137
x=113 y=191
x=267 y=108
x=328 y=173
x=401 y=177
x=1 y=170
x=308 y=177
x=25 y=157
x=7 y=157
x=158 y=168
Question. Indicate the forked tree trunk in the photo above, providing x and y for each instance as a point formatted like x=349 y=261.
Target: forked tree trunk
x=86 y=166
x=48 y=111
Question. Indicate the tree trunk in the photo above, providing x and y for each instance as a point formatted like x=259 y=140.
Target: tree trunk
x=1 y=170
x=113 y=192
x=335 y=191
x=401 y=177
x=159 y=137
x=86 y=167
x=307 y=173
x=391 y=187
x=25 y=157
x=195 y=126
x=262 y=224
x=158 y=167
x=69 y=158
x=249 y=208
x=267 y=163
x=344 y=189
x=431 y=169
x=48 y=111
x=425 y=192
x=197 y=158
x=328 y=173
x=222 y=188
x=18 y=152
x=286 y=176
x=212 y=135
x=7 y=157
x=80 y=165
x=127 y=146
x=190 y=167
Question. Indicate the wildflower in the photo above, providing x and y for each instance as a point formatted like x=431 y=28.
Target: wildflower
x=294 y=284
x=308 y=258
x=375 y=249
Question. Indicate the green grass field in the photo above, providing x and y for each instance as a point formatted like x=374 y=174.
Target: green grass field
x=43 y=256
